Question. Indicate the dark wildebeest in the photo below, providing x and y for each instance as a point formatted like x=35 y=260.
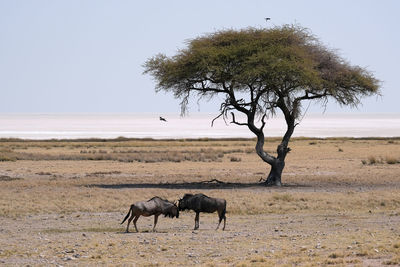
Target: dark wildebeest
x=155 y=206
x=202 y=203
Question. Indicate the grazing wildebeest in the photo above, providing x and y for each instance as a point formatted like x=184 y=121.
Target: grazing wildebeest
x=155 y=206
x=202 y=203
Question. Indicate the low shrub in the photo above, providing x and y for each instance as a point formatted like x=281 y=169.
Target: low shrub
x=391 y=160
x=372 y=160
x=7 y=158
x=235 y=159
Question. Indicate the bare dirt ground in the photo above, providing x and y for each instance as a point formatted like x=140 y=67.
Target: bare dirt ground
x=340 y=203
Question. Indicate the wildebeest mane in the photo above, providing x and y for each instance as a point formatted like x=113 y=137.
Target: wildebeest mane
x=187 y=195
x=169 y=213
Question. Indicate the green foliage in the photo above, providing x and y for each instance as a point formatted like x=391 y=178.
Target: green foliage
x=282 y=64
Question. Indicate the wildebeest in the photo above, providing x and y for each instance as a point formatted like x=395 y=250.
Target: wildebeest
x=202 y=203
x=154 y=206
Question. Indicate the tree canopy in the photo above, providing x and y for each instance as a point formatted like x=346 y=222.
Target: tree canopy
x=260 y=71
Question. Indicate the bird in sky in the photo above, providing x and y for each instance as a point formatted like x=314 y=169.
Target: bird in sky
x=266 y=19
x=162 y=119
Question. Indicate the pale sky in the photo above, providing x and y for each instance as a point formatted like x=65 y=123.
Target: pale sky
x=87 y=56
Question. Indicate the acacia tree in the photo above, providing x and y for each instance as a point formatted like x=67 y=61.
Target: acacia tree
x=260 y=72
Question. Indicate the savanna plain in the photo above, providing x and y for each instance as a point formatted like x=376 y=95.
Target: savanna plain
x=61 y=203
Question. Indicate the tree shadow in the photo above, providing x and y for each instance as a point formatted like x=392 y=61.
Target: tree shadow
x=212 y=184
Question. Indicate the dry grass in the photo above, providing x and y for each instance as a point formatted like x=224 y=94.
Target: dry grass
x=374 y=160
x=332 y=209
x=126 y=154
x=391 y=160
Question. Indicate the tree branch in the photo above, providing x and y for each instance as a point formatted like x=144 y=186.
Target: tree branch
x=263 y=122
x=313 y=96
x=207 y=89
x=237 y=123
x=212 y=122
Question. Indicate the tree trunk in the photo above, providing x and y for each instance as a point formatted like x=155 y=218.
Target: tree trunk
x=277 y=163
x=275 y=175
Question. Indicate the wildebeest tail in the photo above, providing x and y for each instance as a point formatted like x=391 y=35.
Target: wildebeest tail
x=127 y=215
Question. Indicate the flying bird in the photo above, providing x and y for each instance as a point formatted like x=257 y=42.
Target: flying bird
x=162 y=119
x=266 y=19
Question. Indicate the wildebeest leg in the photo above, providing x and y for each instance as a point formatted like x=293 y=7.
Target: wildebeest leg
x=134 y=222
x=220 y=219
x=155 y=222
x=129 y=221
x=221 y=216
x=196 y=221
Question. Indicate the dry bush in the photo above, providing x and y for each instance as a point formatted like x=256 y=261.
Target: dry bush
x=8 y=178
x=334 y=262
x=44 y=173
x=7 y=154
x=372 y=160
x=335 y=255
x=393 y=261
x=391 y=160
x=7 y=158
x=235 y=159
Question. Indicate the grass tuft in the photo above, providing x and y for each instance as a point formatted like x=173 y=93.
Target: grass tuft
x=8 y=178
x=336 y=255
x=7 y=158
x=258 y=259
x=362 y=253
x=393 y=261
x=372 y=160
x=235 y=159
x=391 y=160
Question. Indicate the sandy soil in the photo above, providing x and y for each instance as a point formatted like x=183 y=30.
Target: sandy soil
x=333 y=209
